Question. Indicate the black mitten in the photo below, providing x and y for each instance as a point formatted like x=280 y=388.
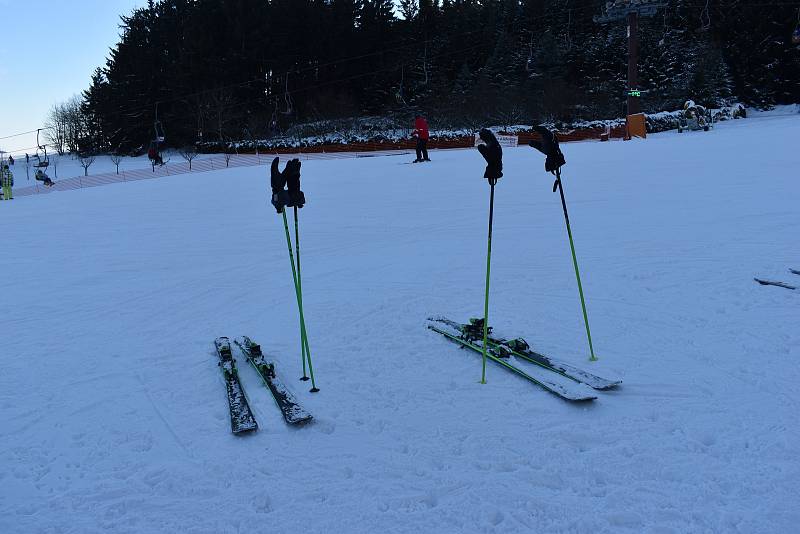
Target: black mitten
x=548 y=146
x=292 y=175
x=280 y=198
x=492 y=152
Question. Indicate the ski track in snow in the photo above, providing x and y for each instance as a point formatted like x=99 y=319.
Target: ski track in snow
x=114 y=411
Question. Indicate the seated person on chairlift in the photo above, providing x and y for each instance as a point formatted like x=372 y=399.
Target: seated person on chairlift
x=154 y=156
x=41 y=176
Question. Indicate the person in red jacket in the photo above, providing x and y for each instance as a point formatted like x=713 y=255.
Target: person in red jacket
x=154 y=156
x=422 y=135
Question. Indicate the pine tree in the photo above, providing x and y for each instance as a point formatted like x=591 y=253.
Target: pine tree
x=215 y=69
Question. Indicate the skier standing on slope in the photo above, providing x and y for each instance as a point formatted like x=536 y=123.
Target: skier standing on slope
x=7 y=178
x=422 y=134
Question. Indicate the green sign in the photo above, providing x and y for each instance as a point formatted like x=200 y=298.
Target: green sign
x=634 y=92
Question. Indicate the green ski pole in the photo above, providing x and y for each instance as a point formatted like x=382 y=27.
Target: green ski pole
x=493 y=154
x=553 y=163
x=303 y=339
x=488 y=270
x=558 y=184
x=303 y=335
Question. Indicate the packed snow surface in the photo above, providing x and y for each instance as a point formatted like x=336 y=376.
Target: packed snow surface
x=113 y=409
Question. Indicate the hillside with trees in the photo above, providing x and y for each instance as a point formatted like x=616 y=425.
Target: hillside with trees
x=221 y=70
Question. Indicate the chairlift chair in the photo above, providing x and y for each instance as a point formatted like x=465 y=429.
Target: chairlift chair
x=41 y=163
x=159 y=130
x=399 y=94
x=287 y=97
x=273 y=127
x=160 y=137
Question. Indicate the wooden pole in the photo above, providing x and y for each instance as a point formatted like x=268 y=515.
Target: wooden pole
x=633 y=60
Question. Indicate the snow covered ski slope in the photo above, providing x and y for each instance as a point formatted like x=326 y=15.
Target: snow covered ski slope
x=114 y=418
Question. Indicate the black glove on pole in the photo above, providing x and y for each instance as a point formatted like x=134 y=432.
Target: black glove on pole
x=280 y=198
x=548 y=146
x=292 y=174
x=554 y=160
x=492 y=152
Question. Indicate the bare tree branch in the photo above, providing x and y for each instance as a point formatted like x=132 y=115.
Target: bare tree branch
x=86 y=161
x=188 y=153
x=116 y=159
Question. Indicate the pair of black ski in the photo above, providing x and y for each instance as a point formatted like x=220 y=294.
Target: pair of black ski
x=778 y=284
x=242 y=418
x=572 y=383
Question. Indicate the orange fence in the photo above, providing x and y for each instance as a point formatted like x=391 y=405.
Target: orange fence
x=379 y=146
x=584 y=134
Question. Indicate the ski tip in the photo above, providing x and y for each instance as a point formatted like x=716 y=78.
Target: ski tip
x=612 y=385
x=300 y=422
x=774 y=283
x=245 y=430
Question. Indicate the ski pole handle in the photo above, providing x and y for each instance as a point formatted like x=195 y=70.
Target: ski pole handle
x=557 y=174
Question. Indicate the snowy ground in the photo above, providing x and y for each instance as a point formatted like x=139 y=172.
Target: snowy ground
x=113 y=409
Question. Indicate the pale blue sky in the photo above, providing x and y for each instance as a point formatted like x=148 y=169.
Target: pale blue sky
x=48 y=51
